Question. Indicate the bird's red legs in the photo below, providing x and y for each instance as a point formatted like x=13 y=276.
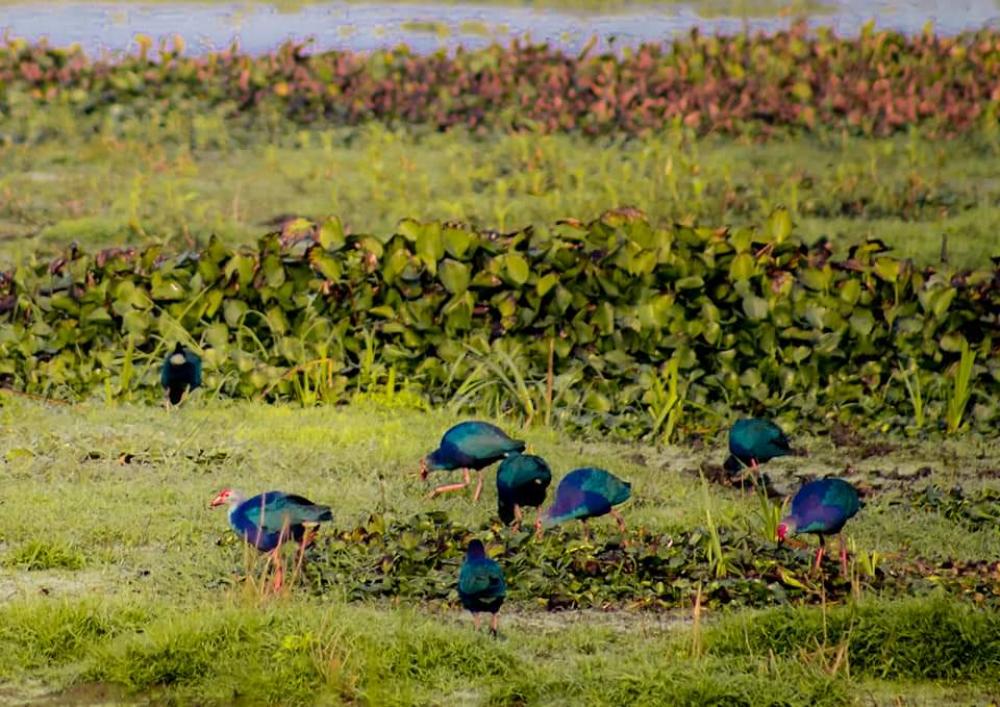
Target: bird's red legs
x=495 y=624
x=538 y=523
x=307 y=539
x=475 y=620
x=279 y=572
x=518 y=515
x=621 y=525
x=819 y=558
x=279 y=564
x=447 y=488
x=479 y=486
x=843 y=555
x=755 y=477
x=819 y=554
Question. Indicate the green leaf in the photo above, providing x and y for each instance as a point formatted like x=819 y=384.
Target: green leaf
x=779 y=224
x=430 y=245
x=850 y=291
x=546 y=283
x=952 y=342
x=817 y=279
x=326 y=265
x=331 y=234
x=458 y=311
x=888 y=269
x=604 y=318
x=274 y=272
x=517 y=268
x=384 y=311
x=136 y=322
x=409 y=229
x=233 y=311
x=692 y=282
x=862 y=322
x=166 y=289
x=242 y=266
x=756 y=308
x=457 y=241
x=97 y=314
x=454 y=276
x=742 y=267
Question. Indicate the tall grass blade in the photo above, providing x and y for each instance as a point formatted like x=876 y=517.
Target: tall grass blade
x=961 y=390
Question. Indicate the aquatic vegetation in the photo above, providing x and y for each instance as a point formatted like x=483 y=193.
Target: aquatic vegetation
x=877 y=83
x=585 y=313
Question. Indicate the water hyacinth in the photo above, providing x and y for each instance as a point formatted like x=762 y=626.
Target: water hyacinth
x=577 y=318
x=877 y=83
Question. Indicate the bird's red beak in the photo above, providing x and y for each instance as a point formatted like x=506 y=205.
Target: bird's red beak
x=423 y=469
x=782 y=532
x=219 y=500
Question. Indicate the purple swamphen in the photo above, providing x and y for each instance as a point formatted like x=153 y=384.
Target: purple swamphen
x=181 y=372
x=268 y=520
x=481 y=586
x=469 y=445
x=754 y=441
x=522 y=480
x=822 y=507
x=588 y=493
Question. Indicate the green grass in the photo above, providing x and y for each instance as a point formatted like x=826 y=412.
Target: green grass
x=150 y=608
x=186 y=180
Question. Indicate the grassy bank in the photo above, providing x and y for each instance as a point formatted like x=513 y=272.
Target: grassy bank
x=188 y=179
x=114 y=581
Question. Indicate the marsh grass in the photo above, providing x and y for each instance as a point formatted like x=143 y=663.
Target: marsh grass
x=124 y=182
x=41 y=554
x=916 y=639
x=309 y=651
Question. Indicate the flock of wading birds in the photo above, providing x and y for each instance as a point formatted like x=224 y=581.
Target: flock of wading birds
x=269 y=520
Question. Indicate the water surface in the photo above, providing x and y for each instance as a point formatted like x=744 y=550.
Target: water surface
x=261 y=27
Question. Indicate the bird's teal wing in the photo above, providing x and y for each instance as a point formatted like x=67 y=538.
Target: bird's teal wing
x=481 y=440
x=522 y=469
x=842 y=496
x=482 y=578
x=274 y=510
x=608 y=486
x=195 y=361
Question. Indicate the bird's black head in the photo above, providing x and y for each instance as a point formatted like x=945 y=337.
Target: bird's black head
x=732 y=464
x=476 y=550
x=506 y=511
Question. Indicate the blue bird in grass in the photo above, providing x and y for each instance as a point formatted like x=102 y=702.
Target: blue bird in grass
x=588 y=493
x=822 y=507
x=522 y=480
x=754 y=441
x=469 y=445
x=181 y=371
x=481 y=586
x=268 y=520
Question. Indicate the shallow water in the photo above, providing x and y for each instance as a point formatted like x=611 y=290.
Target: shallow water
x=343 y=25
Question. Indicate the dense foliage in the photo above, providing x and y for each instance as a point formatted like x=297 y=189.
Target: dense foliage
x=416 y=559
x=612 y=324
x=876 y=83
